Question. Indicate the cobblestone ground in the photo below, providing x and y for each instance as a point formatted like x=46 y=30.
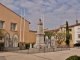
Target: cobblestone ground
x=58 y=55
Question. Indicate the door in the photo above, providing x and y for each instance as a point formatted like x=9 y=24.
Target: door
x=6 y=40
x=15 y=40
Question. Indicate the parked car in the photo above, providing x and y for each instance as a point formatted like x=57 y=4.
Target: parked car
x=77 y=45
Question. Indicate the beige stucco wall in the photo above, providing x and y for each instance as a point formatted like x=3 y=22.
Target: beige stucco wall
x=9 y=17
x=31 y=37
x=72 y=32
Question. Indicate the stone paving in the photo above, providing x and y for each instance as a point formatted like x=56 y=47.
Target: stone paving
x=2 y=58
x=59 y=55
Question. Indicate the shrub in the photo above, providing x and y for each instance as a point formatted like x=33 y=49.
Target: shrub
x=75 y=57
x=1 y=46
x=27 y=45
x=33 y=45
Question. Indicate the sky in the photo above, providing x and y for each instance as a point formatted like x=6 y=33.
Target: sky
x=56 y=12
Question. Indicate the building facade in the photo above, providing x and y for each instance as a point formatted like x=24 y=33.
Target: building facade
x=74 y=31
x=15 y=28
x=77 y=34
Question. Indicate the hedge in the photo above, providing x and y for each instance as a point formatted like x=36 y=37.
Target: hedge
x=75 y=57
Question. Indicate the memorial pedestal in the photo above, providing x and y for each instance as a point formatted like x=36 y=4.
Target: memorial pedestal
x=40 y=36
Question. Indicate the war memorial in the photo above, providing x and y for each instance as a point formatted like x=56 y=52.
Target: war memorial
x=40 y=42
x=41 y=45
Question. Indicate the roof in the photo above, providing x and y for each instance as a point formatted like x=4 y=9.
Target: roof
x=71 y=26
x=55 y=30
x=32 y=31
x=46 y=29
x=74 y=25
x=77 y=24
x=63 y=26
x=13 y=12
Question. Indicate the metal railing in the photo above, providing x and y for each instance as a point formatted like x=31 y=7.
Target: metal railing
x=42 y=50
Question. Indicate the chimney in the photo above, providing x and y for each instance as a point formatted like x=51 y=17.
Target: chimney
x=76 y=22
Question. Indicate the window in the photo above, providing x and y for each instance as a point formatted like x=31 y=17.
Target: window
x=78 y=35
x=78 y=30
x=70 y=29
x=1 y=24
x=13 y=26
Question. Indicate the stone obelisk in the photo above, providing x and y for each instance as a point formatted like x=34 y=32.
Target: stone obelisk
x=40 y=36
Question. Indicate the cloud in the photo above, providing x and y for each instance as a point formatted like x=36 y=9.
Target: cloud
x=56 y=12
x=10 y=4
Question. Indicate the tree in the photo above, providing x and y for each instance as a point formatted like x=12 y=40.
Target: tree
x=67 y=34
x=60 y=37
x=74 y=57
x=48 y=33
x=1 y=33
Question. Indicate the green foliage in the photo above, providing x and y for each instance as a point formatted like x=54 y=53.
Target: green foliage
x=27 y=45
x=60 y=37
x=33 y=45
x=70 y=36
x=1 y=46
x=48 y=33
x=1 y=33
x=67 y=34
x=75 y=57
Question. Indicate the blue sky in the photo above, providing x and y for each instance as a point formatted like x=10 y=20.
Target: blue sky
x=56 y=12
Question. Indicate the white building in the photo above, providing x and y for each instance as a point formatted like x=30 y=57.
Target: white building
x=77 y=33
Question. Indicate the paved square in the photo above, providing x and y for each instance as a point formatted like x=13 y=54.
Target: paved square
x=59 y=55
x=2 y=58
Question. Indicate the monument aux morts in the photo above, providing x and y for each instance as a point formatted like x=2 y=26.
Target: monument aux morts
x=40 y=43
